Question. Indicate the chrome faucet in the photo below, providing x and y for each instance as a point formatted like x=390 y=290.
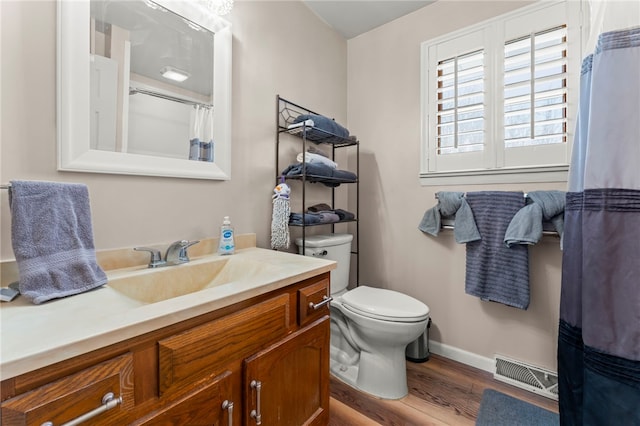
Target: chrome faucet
x=176 y=254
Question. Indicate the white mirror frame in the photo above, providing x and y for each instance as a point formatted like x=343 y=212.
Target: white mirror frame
x=73 y=95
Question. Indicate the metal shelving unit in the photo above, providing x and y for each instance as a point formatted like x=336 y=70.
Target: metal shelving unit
x=287 y=112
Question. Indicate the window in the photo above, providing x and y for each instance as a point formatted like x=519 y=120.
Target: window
x=498 y=97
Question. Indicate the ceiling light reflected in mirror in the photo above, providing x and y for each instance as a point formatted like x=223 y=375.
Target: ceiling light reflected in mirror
x=174 y=74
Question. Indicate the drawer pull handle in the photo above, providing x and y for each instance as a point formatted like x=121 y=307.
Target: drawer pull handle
x=257 y=385
x=325 y=301
x=226 y=405
x=109 y=401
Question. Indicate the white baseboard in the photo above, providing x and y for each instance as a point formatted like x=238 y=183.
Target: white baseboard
x=465 y=357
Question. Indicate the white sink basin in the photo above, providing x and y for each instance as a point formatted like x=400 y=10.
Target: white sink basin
x=156 y=285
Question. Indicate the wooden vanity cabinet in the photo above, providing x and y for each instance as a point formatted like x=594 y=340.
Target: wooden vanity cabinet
x=73 y=396
x=198 y=372
x=205 y=404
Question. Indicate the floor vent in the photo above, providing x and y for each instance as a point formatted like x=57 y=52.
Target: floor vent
x=525 y=376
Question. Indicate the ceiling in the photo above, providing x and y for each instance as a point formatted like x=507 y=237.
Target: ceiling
x=354 y=17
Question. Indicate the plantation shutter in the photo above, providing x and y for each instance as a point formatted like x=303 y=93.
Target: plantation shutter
x=535 y=89
x=461 y=118
x=457 y=103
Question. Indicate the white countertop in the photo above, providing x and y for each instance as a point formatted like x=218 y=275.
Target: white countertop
x=35 y=336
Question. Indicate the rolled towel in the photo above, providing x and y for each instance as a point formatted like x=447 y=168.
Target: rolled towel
x=52 y=240
x=451 y=204
x=309 y=157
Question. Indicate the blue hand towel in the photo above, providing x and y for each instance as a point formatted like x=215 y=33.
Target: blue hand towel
x=52 y=240
x=450 y=204
x=496 y=272
x=526 y=225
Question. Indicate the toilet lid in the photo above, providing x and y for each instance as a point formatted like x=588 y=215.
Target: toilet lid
x=385 y=304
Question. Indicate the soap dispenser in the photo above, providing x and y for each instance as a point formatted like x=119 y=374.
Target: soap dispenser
x=227 y=243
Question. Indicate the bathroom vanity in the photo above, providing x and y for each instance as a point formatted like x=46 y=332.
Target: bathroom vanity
x=252 y=349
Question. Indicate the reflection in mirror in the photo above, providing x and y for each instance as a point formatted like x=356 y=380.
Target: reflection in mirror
x=165 y=63
x=153 y=80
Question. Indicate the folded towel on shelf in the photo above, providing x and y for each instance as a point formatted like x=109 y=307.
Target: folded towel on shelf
x=526 y=226
x=495 y=272
x=304 y=219
x=451 y=204
x=320 y=207
x=323 y=130
x=317 y=172
x=308 y=157
x=325 y=208
x=52 y=240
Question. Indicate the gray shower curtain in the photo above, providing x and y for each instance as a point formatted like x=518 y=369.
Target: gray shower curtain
x=599 y=334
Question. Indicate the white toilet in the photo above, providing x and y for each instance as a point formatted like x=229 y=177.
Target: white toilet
x=370 y=327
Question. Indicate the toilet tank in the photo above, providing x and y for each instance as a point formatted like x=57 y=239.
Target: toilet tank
x=333 y=247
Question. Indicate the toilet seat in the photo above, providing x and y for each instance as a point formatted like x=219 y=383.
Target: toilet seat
x=383 y=304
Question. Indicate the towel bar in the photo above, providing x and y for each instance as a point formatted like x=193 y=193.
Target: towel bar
x=5 y=186
x=465 y=194
x=545 y=233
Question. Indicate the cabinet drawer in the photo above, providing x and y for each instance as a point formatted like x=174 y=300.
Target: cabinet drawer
x=78 y=394
x=207 y=349
x=202 y=406
x=311 y=296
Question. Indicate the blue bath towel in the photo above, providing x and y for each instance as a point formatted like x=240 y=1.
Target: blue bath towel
x=52 y=240
x=496 y=272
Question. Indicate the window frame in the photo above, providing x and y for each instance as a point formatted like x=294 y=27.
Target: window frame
x=491 y=166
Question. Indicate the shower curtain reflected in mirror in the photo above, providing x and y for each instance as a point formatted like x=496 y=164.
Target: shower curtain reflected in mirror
x=599 y=335
x=201 y=146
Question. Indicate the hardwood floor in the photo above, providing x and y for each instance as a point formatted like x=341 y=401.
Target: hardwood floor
x=441 y=392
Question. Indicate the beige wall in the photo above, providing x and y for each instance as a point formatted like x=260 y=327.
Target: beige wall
x=384 y=111
x=270 y=56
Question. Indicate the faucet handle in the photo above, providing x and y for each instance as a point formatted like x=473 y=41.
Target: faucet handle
x=183 y=255
x=156 y=256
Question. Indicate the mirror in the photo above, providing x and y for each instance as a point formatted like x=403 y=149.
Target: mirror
x=120 y=106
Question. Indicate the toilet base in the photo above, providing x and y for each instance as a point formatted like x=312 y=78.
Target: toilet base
x=345 y=373
x=365 y=374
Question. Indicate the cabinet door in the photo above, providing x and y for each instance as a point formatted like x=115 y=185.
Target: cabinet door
x=293 y=379
x=206 y=404
x=79 y=395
